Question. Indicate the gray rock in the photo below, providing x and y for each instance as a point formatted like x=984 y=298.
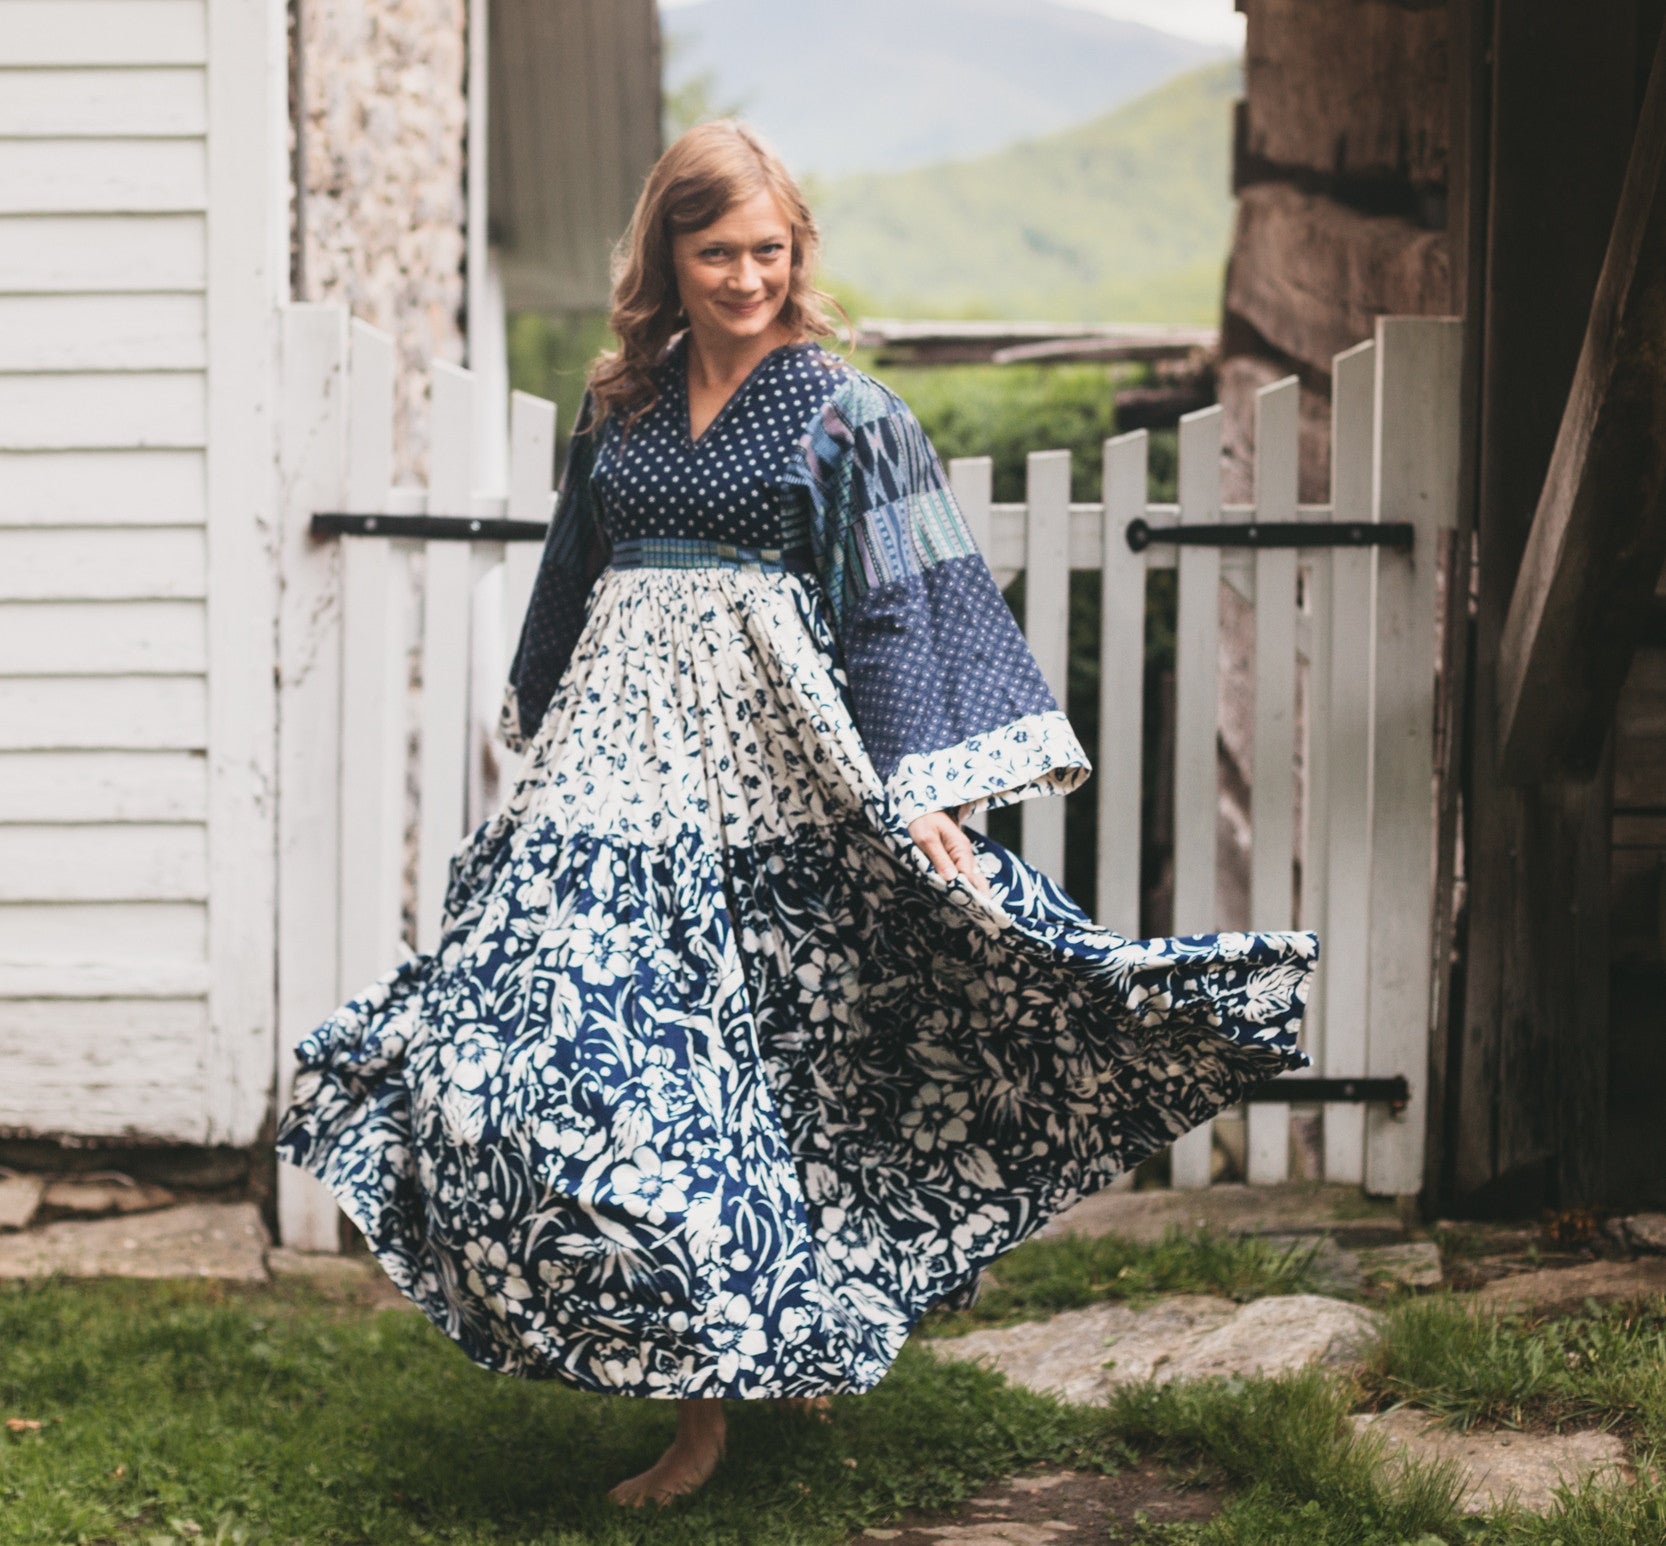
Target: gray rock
x=320 y=1266
x=195 y=1240
x=1082 y=1355
x=1498 y=1466
x=19 y=1197
x=1275 y=1336
x=1330 y=1268
x=1298 y=1207
x=1551 y=1288
x=1645 y=1231
x=1416 y=1264
x=95 y=1196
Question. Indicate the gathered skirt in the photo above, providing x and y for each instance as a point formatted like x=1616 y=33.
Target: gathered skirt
x=712 y=1086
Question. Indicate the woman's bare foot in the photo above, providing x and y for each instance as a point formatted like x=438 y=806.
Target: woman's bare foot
x=687 y=1464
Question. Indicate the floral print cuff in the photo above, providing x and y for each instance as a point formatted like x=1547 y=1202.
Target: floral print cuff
x=1036 y=755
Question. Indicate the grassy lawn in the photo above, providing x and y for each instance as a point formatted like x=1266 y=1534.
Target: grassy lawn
x=195 y=1412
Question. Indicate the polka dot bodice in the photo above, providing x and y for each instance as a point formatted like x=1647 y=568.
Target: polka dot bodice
x=725 y=486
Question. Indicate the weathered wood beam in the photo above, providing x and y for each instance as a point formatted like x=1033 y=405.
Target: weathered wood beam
x=1311 y=276
x=1598 y=539
x=1354 y=92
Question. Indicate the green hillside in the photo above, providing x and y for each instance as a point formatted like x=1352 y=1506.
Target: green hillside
x=1124 y=218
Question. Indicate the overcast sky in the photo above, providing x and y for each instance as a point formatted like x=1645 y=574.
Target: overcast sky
x=1214 y=21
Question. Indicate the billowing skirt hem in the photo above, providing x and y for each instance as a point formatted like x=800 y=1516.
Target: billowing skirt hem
x=712 y=1086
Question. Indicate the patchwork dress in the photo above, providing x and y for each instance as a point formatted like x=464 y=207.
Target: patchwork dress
x=712 y=1086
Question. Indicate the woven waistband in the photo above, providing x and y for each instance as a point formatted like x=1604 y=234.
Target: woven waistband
x=698 y=553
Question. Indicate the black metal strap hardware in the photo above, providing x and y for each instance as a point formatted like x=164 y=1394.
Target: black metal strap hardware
x=1298 y=1090
x=428 y=528
x=1274 y=534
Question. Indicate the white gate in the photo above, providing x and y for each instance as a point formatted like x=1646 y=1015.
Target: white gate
x=1363 y=619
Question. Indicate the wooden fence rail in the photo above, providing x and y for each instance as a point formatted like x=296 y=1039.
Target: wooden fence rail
x=1361 y=617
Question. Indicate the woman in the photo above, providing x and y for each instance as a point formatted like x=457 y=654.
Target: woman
x=739 y=1051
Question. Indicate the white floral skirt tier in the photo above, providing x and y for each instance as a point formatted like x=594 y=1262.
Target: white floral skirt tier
x=712 y=1086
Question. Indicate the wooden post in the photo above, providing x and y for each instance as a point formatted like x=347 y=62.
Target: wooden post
x=1273 y=787
x=1527 y=1103
x=1047 y=626
x=1196 y=784
x=1418 y=374
x=244 y=249
x=312 y=464
x=1585 y=589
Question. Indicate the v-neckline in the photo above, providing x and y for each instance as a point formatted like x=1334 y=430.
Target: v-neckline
x=680 y=368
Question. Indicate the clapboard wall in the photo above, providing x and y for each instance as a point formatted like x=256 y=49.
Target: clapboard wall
x=136 y=584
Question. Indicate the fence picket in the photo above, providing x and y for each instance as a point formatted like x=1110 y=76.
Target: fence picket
x=374 y=602
x=1315 y=783
x=531 y=469
x=1196 y=716
x=972 y=482
x=311 y=453
x=1047 y=626
x=1121 y=685
x=446 y=614
x=1365 y=629
x=1345 y=925
x=1416 y=480
x=1273 y=777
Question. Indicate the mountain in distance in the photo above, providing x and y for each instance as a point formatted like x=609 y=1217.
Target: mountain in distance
x=1124 y=218
x=880 y=85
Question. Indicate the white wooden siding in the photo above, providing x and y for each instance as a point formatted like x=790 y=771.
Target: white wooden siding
x=102 y=332
x=118 y=254
x=104 y=786
x=37 y=104
x=99 y=638
x=103 y=487
x=119 y=299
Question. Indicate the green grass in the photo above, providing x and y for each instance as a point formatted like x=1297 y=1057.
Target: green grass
x=273 y=1416
x=1069 y=1271
x=183 y=1412
x=1605 y=1366
x=1306 y=1477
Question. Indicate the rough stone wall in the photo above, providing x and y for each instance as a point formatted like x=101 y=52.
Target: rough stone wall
x=382 y=114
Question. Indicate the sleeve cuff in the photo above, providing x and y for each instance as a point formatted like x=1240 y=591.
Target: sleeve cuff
x=1030 y=757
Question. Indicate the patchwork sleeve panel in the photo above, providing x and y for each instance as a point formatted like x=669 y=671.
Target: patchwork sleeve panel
x=952 y=707
x=575 y=552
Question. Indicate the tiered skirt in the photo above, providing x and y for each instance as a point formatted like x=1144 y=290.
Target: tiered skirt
x=712 y=1086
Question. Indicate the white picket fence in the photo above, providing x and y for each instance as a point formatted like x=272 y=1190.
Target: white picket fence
x=1364 y=621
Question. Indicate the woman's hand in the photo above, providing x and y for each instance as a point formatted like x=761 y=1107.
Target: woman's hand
x=950 y=850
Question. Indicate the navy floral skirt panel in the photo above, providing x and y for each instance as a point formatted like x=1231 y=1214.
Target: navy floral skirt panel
x=712 y=1086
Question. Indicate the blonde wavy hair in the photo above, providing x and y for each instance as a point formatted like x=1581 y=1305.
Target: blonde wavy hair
x=696 y=181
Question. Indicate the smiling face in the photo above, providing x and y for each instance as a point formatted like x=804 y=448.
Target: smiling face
x=733 y=275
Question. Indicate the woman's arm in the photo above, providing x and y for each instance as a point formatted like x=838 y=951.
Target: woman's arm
x=953 y=709
x=575 y=552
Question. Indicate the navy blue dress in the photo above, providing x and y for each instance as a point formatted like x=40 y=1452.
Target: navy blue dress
x=712 y=1085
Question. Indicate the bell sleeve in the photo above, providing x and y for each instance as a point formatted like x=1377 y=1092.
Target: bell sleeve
x=952 y=708
x=575 y=552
